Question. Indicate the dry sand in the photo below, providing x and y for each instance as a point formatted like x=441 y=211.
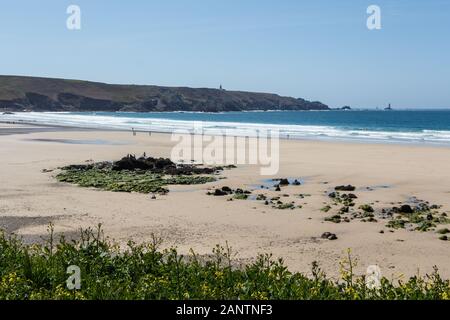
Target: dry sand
x=188 y=218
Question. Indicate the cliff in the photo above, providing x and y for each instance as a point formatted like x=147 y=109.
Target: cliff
x=19 y=93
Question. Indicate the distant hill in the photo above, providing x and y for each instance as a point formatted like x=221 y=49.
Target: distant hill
x=19 y=93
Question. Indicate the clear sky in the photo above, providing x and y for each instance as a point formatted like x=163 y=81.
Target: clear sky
x=316 y=49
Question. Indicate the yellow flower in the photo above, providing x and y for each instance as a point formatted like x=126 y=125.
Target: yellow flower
x=259 y=295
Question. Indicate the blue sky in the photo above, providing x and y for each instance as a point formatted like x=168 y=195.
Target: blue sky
x=318 y=50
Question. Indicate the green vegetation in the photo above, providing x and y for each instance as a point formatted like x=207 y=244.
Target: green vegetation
x=46 y=94
x=336 y=218
x=396 y=224
x=261 y=197
x=443 y=231
x=240 y=196
x=128 y=181
x=366 y=208
x=145 y=272
x=285 y=206
x=421 y=218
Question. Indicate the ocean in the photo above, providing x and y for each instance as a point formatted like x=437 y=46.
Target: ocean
x=418 y=126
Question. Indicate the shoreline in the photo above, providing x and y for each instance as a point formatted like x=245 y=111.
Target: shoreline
x=53 y=127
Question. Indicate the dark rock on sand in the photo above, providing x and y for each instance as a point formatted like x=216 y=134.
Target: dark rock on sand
x=260 y=197
x=367 y=208
x=131 y=163
x=332 y=237
x=241 y=191
x=325 y=235
x=159 y=165
x=329 y=236
x=344 y=209
x=345 y=188
x=406 y=208
x=219 y=193
x=226 y=189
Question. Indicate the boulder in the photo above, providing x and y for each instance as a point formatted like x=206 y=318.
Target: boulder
x=332 y=237
x=329 y=236
x=406 y=208
x=219 y=193
x=227 y=189
x=325 y=235
x=345 y=188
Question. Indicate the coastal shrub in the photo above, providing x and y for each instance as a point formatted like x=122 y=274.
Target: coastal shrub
x=143 y=271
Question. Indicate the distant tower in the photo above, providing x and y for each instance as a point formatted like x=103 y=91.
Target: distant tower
x=221 y=88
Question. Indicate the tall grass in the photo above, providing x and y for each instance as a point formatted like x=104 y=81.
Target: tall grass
x=143 y=271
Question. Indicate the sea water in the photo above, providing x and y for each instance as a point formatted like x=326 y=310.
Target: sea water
x=412 y=126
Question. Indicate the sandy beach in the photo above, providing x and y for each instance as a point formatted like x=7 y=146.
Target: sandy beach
x=31 y=198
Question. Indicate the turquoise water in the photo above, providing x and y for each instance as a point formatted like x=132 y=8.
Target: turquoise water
x=409 y=121
x=431 y=126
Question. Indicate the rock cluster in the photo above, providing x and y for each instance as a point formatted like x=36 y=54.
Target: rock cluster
x=345 y=188
x=329 y=236
x=148 y=164
x=160 y=165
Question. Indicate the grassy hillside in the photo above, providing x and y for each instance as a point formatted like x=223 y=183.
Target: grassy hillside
x=45 y=94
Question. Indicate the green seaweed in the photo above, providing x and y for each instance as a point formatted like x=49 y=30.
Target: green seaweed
x=240 y=196
x=336 y=219
x=128 y=181
x=396 y=224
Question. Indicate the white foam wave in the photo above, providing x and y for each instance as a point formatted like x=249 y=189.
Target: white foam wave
x=232 y=128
